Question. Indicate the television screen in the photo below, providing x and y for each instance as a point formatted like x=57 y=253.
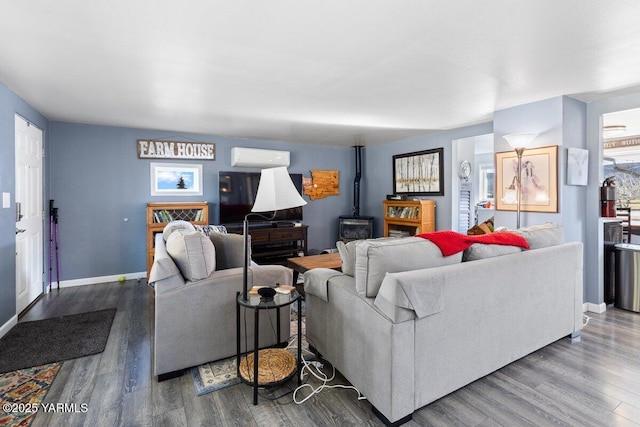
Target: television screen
x=237 y=193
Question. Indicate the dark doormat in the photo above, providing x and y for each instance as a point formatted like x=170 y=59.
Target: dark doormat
x=45 y=341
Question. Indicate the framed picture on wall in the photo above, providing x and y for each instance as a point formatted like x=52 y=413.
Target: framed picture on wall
x=420 y=173
x=539 y=180
x=172 y=179
x=577 y=166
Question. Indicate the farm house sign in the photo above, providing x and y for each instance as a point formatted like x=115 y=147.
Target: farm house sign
x=149 y=149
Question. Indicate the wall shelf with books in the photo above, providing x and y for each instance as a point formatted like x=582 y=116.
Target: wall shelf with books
x=159 y=214
x=404 y=218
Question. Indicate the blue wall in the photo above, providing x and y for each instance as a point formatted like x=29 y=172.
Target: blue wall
x=558 y=121
x=97 y=181
x=378 y=171
x=10 y=105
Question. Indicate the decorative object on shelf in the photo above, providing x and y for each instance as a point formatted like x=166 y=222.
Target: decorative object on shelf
x=577 y=166
x=257 y=157
x=322 y=183
x=419 y=173
x=539 y=180
x=276 y=191
x=149 y=149
x=172 y=179
x=464 y=170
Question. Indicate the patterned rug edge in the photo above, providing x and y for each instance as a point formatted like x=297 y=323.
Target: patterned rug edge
x=214 y=376
x=22 y=391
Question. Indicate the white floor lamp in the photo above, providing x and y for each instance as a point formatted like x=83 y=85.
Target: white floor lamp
x=519 y=142
x=276 y=191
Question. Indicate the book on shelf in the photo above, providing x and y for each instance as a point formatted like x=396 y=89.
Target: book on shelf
x=399 y=233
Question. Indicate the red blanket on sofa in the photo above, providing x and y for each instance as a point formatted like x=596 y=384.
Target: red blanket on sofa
x=451 y=242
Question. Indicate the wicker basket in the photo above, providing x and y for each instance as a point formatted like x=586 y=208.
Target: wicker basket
x=274 y=366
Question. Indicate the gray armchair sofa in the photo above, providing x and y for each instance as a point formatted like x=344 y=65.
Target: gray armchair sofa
x=195 y=300
x=407 y=326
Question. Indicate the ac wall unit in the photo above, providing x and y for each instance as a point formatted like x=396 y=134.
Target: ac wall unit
x=256 y=157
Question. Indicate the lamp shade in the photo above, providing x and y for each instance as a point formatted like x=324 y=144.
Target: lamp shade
x=511 y=193
x=520 y=140
x=276 y=191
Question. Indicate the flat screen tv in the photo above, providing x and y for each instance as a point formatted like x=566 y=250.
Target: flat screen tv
x=237 y=193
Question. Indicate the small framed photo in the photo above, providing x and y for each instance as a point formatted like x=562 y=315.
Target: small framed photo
x=577 y=166
x=420 y=173
x=172 y=179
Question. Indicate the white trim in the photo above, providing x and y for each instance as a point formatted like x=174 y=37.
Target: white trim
x=96 y=280
x=594 y=308
x=7 y=326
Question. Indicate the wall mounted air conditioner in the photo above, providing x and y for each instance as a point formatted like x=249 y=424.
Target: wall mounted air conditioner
x=256 y=157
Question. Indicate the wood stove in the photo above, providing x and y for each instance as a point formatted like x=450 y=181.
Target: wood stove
x=355 y=227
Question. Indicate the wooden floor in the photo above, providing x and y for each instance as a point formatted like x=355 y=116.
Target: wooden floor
x=592 y=383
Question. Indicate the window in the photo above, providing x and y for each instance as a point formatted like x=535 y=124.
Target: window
x=487 y=181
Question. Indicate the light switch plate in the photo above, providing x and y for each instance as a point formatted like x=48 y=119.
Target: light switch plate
x=6 y=200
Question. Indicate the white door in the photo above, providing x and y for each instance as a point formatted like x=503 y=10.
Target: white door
x=28 y=204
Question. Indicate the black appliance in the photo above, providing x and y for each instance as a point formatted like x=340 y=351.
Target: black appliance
x=237 y=193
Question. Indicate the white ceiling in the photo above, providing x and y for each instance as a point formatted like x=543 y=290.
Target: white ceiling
x=329 y=72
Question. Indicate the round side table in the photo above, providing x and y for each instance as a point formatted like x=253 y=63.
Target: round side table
x=271 y=366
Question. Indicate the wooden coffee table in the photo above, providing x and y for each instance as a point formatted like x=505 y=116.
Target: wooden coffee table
x=305 y=263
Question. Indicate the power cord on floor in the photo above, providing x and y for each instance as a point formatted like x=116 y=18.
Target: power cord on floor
x=585 y=320
x=310 y=365
x=314 y=369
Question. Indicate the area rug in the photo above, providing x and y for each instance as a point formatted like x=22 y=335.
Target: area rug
x=214 y=376
x=22 y=391
x=46 y=341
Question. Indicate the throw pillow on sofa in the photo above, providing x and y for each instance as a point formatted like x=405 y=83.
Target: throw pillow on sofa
x=229 y=250
x=347 y=253
x=193 y=253
x=481 y=251
x=208 y=229
x=176 y=225
x=542 y=235
x=375 y=258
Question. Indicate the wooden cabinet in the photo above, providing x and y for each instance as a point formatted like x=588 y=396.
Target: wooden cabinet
x=159 y=214
x=273 y=245
x=408 y=217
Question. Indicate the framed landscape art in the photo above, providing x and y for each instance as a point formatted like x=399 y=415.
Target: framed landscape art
x=420 y=173
x=171 y=179
x=539 y=179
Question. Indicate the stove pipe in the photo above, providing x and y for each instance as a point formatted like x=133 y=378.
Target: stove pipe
x=356 y=181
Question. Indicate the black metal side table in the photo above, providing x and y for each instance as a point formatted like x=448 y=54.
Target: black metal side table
x=257 y=303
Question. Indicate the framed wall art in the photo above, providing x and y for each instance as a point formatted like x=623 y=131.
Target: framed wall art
x=420 y=173
x=539 y=176
x=577 y=166
x=172 y=179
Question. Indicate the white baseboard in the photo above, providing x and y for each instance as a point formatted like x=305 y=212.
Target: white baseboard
x=100 y=279
x=8 y=325
x=594 y=308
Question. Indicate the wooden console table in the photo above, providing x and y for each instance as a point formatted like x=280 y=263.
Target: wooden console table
x=273 y=245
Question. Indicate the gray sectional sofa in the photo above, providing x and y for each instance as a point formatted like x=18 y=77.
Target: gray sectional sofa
x=407 y=326
x=196 y=277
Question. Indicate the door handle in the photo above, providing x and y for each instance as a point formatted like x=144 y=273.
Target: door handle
x=18 y=211
x=20 y=230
